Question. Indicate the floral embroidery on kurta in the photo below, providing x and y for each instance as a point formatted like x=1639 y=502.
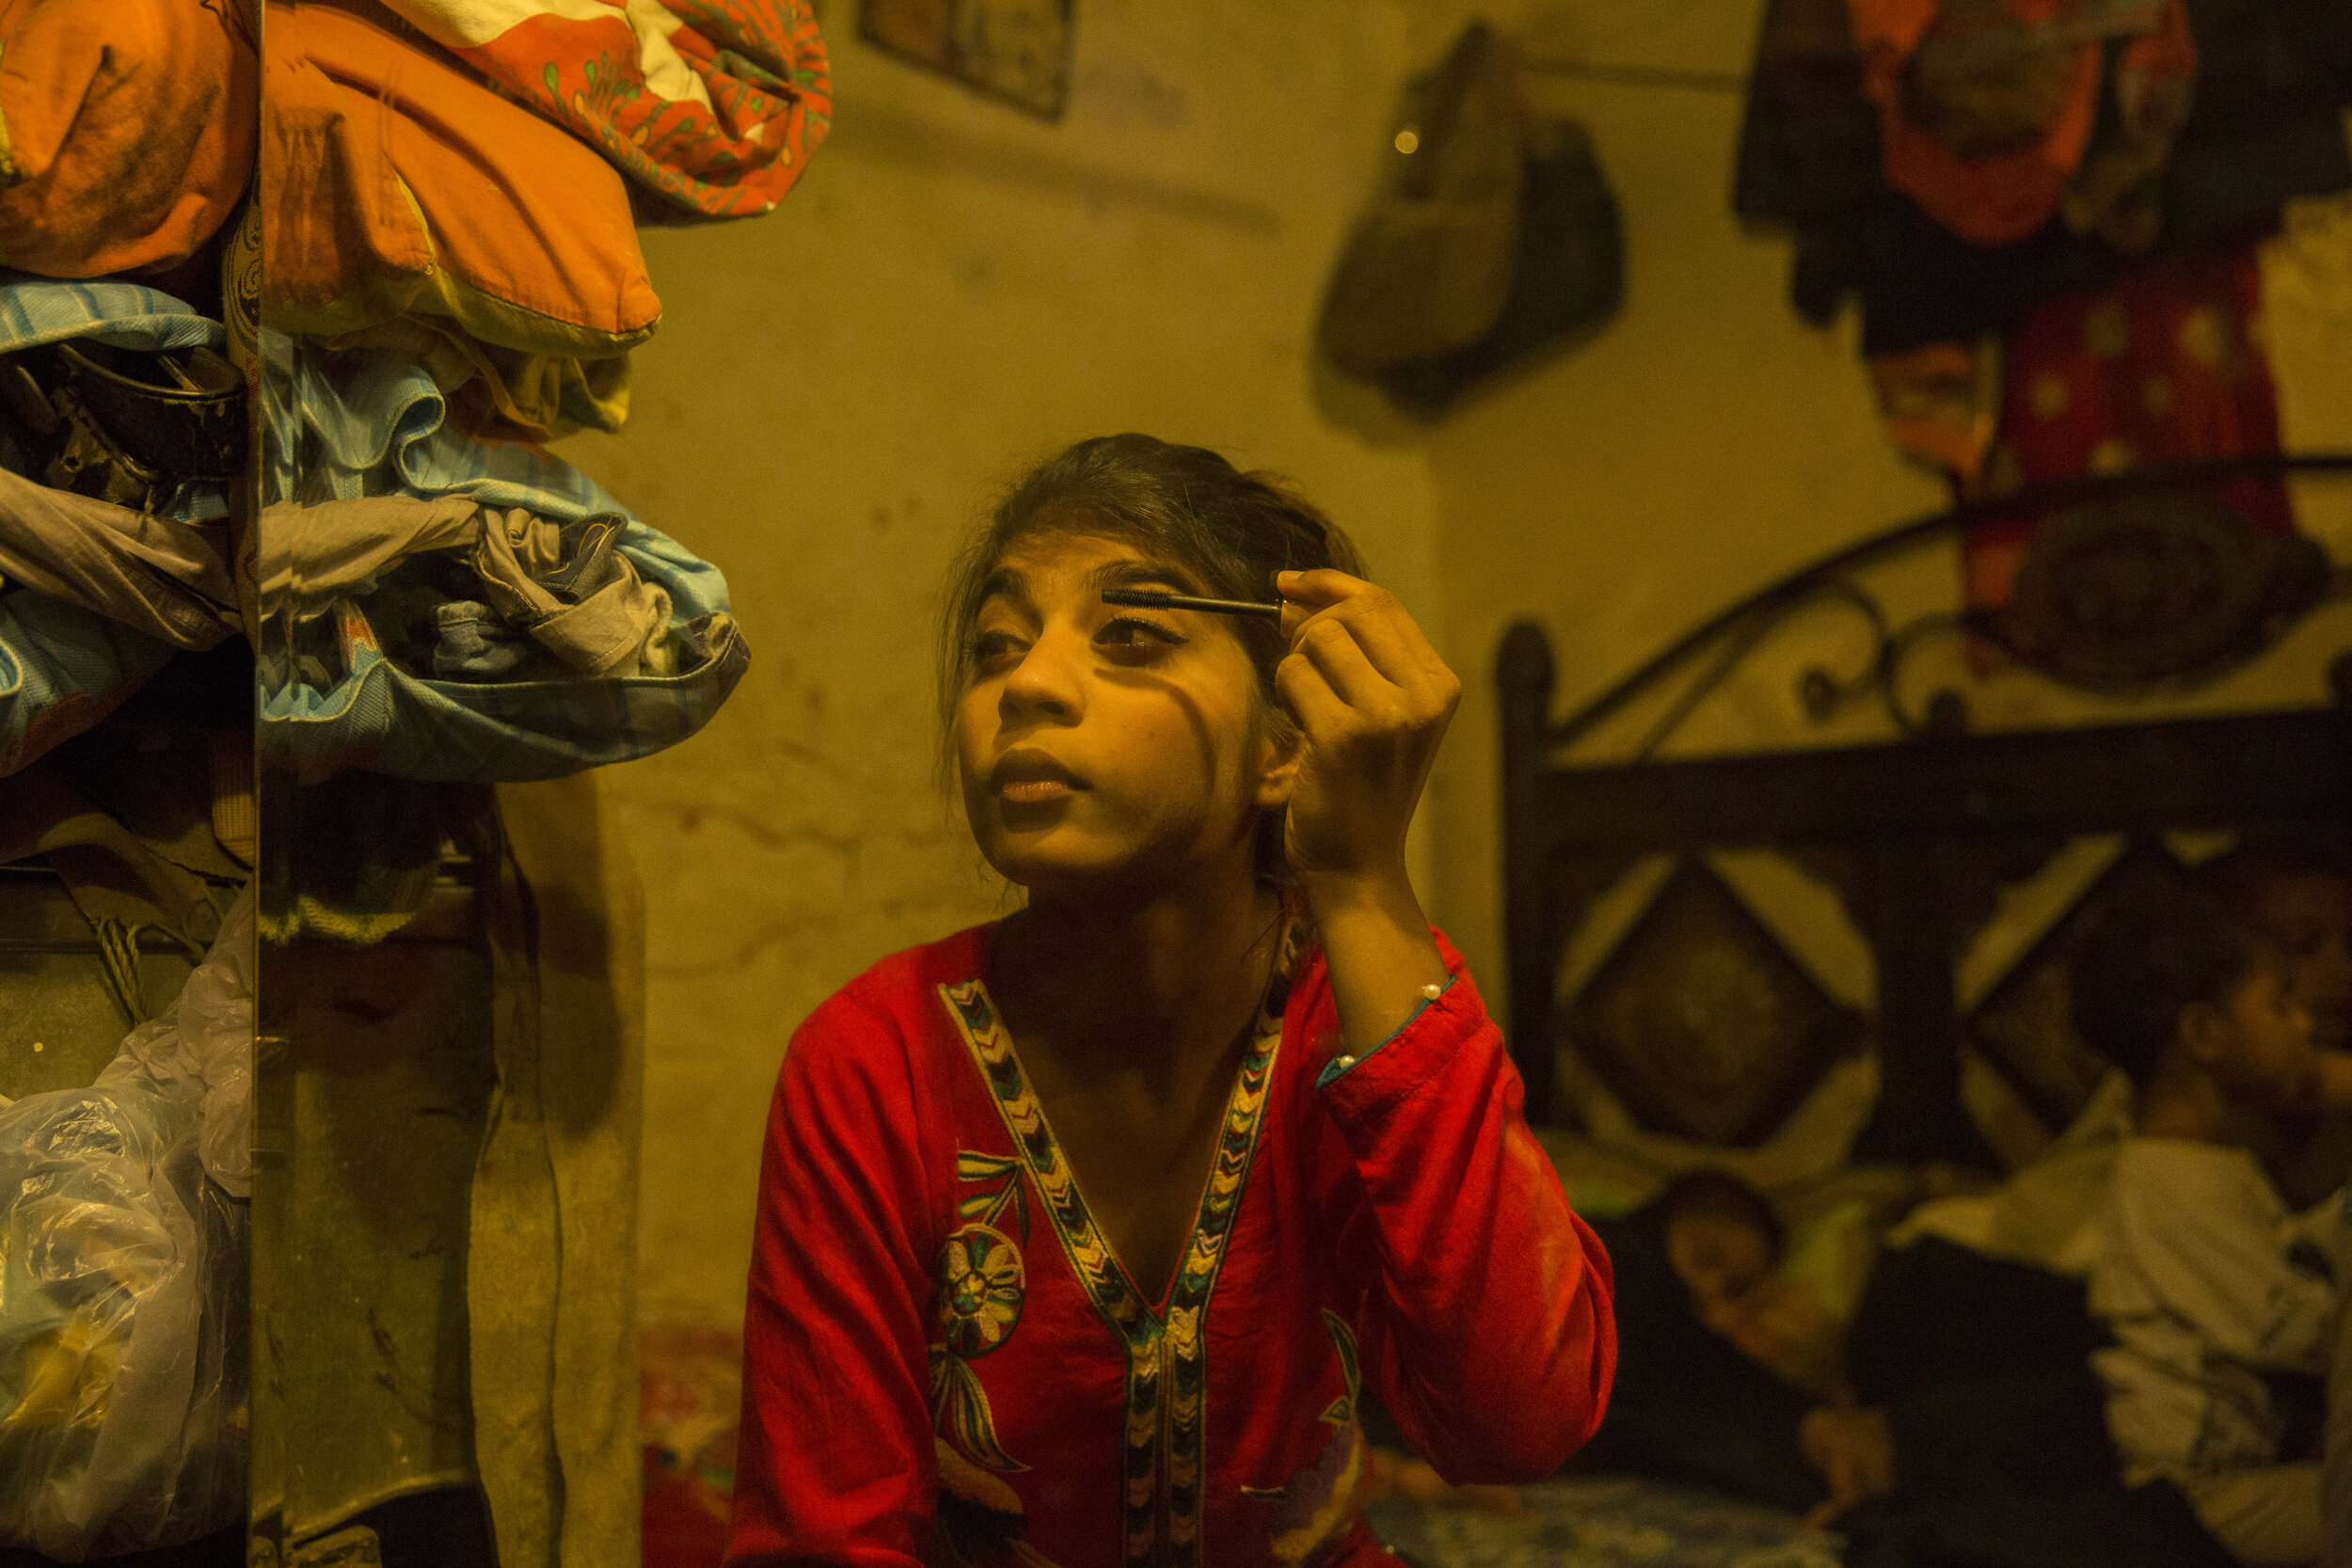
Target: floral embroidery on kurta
x=980 y=1289
x=1312 y=1506
x=1161 y=1505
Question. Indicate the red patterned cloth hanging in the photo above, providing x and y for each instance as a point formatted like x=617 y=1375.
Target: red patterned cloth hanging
x=717 y=105
x=2160 y=366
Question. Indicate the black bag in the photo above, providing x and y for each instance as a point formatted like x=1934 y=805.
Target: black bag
x=1496 y=236
x=134 y=427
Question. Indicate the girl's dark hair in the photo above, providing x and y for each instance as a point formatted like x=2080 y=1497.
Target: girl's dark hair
x=2141 y=964
x=1230 y=530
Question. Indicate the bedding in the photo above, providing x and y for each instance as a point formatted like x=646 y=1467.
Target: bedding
x=692 y=1384
x=1603 y=1522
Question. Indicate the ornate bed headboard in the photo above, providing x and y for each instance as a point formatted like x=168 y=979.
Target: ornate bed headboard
x=1708 y=1025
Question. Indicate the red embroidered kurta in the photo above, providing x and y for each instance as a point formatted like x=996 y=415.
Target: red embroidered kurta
x=944 y=1361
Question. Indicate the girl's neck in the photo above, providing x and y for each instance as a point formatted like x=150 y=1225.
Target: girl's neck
x=1163 y=984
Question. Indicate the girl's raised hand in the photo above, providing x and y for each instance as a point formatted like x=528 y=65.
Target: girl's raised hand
x=1371 y=700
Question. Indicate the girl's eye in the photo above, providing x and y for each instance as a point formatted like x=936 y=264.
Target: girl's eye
x=1134 y=638
x=991 y=647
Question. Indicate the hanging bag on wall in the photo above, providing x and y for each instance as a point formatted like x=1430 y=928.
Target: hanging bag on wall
x=1428 y=268
x=1567 y=275
x=1497 y=236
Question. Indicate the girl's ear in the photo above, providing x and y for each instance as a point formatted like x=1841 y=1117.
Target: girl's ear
x=1280 y=745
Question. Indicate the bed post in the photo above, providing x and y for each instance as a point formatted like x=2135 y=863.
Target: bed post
x=1910 y=890
x=1523 y=679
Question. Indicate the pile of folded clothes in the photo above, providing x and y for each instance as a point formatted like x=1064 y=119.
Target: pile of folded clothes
x=450 y=276
x=131 y=127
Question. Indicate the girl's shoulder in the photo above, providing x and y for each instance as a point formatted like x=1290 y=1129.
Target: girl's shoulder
x=880 y=1044
x=903 y=988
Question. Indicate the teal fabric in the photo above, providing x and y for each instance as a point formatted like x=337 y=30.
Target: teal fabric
x=1333 y=1070
x=370 y=423
x=62 y=669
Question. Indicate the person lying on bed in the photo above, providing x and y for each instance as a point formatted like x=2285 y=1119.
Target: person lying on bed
x=2213 y=1288
x=1695 y=1396
x=1967 y=1426
x=1080 y=1233
x=1693 y=1401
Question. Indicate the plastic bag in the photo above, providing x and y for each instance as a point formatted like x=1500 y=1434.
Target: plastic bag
x=203 y=1044
x=124 y=1264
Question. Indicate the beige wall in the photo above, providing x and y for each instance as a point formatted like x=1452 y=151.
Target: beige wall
x=953 y=290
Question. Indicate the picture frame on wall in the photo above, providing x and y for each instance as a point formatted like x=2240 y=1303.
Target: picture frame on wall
x=1015 y=51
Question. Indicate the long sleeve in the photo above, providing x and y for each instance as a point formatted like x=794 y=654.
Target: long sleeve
x=836 y=1464
x=1486 y=1328
x=2196 y=1233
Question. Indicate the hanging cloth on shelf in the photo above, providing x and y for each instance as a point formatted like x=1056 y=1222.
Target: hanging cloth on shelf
x=2263 y=123
x=583 y=580
x=63 y=666
x=715 y=107
x=63 y=669
x=2161 y=366
x=1986 y=106
x=126 y=130
x=343 y=699
x=375 y=151
x=570 y=587
x=2116 y=194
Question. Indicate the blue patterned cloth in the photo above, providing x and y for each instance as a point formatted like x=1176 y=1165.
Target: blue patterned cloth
x=36 y=311
x=63 y=668
x=1603 y=1522
x=372 y=422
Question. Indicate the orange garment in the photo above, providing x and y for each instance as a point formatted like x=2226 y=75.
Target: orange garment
x=715 y=103
x=407 y=204
x=126 y=130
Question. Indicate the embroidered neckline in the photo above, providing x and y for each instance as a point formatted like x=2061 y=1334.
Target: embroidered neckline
x=1167 y=1387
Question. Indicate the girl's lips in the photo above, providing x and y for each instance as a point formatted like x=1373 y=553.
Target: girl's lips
x=1028 y=776
x=1035 y=792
